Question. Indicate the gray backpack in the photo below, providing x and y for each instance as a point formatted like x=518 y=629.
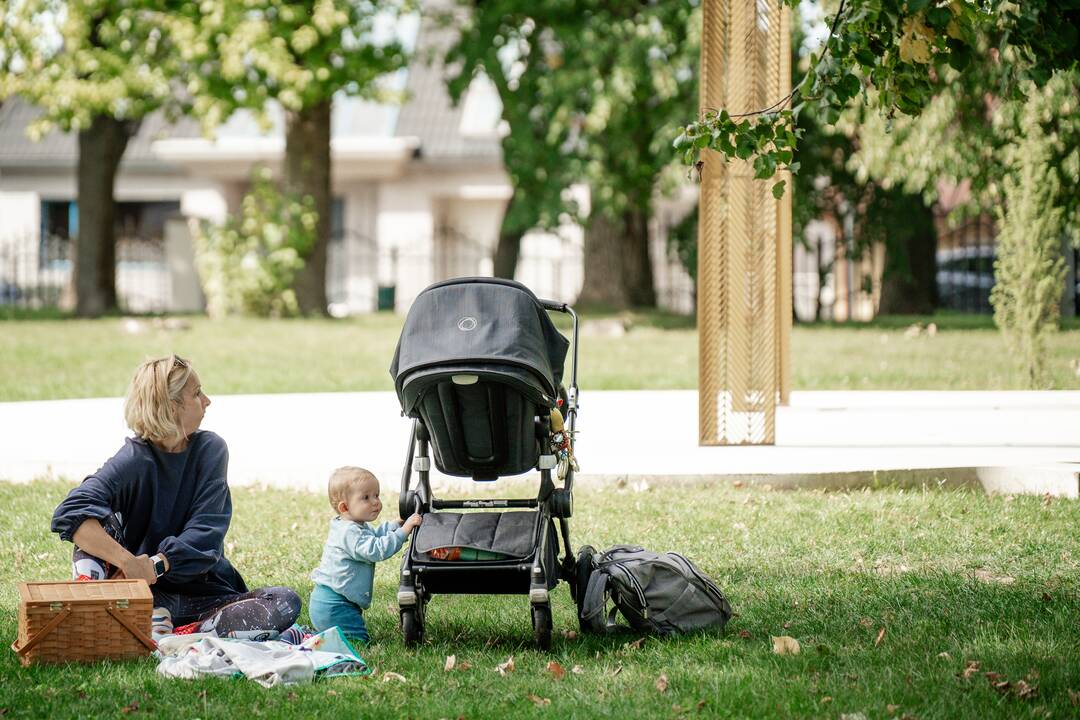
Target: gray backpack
x=657 y=593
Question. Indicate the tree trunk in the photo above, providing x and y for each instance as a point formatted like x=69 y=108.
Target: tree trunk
x=618 y=270
x=909 y=282
x=508 y=250
x=604 y=283
x=307 y=173
x=100 y=148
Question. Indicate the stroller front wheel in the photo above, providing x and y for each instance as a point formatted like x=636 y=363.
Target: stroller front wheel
x=541 y=619
x=412 y=627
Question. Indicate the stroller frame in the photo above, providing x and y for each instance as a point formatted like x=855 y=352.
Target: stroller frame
x=534 y=575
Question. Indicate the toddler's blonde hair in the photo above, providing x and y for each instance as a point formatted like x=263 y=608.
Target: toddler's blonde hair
x=153 y=398
x=343 y=481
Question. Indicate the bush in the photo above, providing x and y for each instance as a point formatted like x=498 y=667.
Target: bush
x=248 y=264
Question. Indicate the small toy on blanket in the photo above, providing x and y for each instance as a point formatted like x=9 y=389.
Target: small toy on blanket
x=464 y=553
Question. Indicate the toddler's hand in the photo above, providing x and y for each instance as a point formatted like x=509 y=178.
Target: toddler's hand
x=413 y=522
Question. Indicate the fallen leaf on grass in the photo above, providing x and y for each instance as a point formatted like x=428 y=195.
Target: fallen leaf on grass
x=701 y=704
x=130 y=708
x=826 y=700
x=1074 y=697
x=506 y=667
x=556 y=670
x=787 y=624
x=744 y=634
x=617 y=671
x=570 y=634
x=292 y=696
x=944 y=655
x=971 y=669
x=852 y=716
x=662 y=682
x=464 y=665
x=451 y=661
x=388 y=676
x=891 y=708
x=636 y=645
x=539 y=701
x=988 y=577
x=785 y=645
x=1025 y=690
x=737 y=484
x=866 y=622
x=880 y=637
x=331 y=693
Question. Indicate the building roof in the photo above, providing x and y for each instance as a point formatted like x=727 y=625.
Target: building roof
x=428 y=112
x=59 y=149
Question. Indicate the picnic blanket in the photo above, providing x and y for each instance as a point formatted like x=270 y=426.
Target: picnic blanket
x=268 y=662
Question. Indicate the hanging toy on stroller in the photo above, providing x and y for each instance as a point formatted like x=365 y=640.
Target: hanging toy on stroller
x=479 y=368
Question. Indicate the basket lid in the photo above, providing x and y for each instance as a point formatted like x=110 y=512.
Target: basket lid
x=93 y=591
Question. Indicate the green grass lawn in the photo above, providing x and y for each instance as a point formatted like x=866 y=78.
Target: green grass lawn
x=891 y=594
x=61 y=358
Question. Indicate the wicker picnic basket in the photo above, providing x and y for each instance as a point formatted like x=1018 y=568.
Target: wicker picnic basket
x=83 y=621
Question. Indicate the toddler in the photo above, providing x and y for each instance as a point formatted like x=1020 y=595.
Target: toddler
x=343 y=579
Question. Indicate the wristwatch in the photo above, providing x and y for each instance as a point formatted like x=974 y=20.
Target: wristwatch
x=159 y=565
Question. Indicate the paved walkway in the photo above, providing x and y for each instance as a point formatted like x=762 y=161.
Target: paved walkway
x=826 y=438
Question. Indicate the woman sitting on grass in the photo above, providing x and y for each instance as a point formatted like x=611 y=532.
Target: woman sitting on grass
x=159 y=510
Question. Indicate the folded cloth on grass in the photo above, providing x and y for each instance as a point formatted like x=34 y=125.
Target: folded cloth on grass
x=268 y=663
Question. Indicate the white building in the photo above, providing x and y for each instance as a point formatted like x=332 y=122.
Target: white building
x=419 y=194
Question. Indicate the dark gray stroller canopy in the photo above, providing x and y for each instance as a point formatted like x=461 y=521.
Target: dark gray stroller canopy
x=484 y=325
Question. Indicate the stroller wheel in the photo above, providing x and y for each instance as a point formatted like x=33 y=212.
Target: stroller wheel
x=541 y=619
x=582 y=570
x=412 y=627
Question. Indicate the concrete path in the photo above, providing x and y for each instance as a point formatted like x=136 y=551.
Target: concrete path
x=823 y=438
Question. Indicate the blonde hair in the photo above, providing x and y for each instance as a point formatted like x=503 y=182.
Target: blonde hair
x=344 y=480
x=153 y=398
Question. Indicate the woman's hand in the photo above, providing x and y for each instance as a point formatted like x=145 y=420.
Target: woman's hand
x=139 y=566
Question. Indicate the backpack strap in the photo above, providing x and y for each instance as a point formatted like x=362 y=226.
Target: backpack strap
x=594 y=615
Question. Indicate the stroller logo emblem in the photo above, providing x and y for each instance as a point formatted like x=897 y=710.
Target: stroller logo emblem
x=466 y=324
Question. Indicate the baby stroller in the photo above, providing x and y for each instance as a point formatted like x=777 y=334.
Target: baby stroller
x=479 y=368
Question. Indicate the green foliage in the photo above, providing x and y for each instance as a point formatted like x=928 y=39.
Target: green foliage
x=243 y=54
x=896 y=55
x=1029 y=268
x=248 y=264
x=76 y=59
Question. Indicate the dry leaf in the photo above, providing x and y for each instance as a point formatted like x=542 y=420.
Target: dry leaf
x=852 y=716
x=701 y=704
x=785 y=645
x=570 y=634
x=539 y=701
x=971 y=669
x=826 y=700
x=506 y=667
x=1025 y=690
x=891 y=708
x=744 y=634
x=1074 y=697
x=464 y=665
x=130 y=708
x=577 y=670
x=787 y=624
x=880 y=637
x=866 y=622
x=331 y=693
x=292 y=696
x=636 y=645
x=388 y=676
x=944 y=655
x=451 y=661
x=617 y=671
x=556 y=670
x=662 y=682
x=737 y=484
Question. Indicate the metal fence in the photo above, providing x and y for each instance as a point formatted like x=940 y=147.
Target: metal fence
x=361 y=276
x=37 y=274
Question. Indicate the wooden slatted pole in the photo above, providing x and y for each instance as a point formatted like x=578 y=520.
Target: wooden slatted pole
x=744 y=240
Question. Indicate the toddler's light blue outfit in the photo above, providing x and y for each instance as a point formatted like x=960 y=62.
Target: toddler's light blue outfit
x=345 y=574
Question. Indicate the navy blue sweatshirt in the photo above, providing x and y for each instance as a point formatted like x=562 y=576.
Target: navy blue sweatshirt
x=177 y=504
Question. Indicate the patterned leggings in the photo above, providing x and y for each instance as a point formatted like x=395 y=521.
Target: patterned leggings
x=258 y=614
